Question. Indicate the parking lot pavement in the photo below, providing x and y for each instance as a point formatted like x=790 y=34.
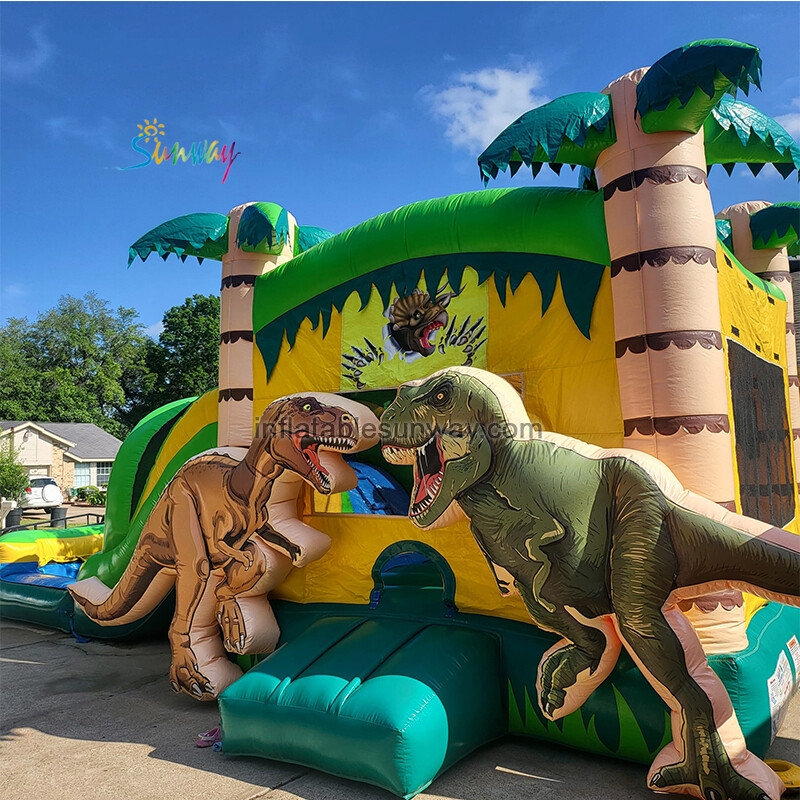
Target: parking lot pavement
x=98 y=721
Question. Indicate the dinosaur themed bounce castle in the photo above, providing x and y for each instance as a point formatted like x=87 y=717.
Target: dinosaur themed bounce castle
x=516 y=461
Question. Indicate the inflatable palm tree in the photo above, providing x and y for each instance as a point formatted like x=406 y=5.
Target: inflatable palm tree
x=251 y=240
x=647 y=141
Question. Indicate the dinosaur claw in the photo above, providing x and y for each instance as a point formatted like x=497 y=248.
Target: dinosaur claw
x=548 y=709
x=227 y=644
x=209 y=688
x=241 y=643
x=175 y=687
x=196 y=690
x=657 y=781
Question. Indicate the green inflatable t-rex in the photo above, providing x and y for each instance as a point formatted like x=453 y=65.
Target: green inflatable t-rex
x=601 y=545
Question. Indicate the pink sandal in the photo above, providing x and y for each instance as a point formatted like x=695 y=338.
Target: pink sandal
x=210 y=738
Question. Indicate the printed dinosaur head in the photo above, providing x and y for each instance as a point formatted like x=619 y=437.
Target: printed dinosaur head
x=447 y=426
x=308 y=433
x=415 y=318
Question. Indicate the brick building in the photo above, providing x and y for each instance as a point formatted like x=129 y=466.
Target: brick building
x=74 y=453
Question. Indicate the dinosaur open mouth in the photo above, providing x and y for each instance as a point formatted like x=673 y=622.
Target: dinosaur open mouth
x=309 y=445
x=427 y=332
x=428 y=475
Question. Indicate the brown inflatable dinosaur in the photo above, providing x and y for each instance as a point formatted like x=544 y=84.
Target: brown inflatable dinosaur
x=225 y=531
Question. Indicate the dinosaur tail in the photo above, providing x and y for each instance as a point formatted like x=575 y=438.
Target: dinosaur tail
x=140 y=589
x=765 y=563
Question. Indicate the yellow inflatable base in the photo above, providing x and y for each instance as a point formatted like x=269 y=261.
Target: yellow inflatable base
x=48 y=545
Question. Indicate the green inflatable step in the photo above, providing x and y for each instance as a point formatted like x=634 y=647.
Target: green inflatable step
x=388 y=702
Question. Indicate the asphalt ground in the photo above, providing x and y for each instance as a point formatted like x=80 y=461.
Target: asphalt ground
x=98 y=721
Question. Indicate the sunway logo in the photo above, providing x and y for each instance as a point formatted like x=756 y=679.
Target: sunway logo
x=198 y=154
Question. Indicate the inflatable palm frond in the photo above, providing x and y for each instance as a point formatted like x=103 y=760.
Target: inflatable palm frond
x=724 y=233
x=776 y=226
x=308 y=236
x=573 y=129
x=263 y=228
x=198 y=235
x=736 y=133
x=679 y=90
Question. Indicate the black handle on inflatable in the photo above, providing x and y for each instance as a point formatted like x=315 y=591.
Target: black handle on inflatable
x=436 y=558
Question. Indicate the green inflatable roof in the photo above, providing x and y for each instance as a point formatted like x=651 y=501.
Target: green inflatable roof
x=550 y=233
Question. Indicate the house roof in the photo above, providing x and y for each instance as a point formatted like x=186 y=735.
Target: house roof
x=87 y=441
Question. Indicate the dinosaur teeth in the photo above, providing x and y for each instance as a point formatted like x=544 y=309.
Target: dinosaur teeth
x=338 y=442
x=399 y=455
x=432 y=492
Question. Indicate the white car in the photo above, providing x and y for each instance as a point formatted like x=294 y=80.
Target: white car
x=43 y=493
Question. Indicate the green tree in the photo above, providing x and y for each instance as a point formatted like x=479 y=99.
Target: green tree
x=13 y=476
x=79 y=362
x=184 y=361
x=20 y=385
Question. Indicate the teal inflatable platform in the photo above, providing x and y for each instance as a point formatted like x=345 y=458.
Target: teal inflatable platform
x=394 y=693
x=388 y=702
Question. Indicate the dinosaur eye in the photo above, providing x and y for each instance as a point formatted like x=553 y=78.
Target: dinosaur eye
x=441 y=396
x=417 y=314
x=306 y=406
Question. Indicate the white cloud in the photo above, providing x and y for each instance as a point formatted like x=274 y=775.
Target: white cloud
x=235 y=131
x=15 y=290
x=767 y=173
x=478 y=105
x=155 y=330
x=103 y=132
x=28 y=65
x=791 y=121
x=349 y=81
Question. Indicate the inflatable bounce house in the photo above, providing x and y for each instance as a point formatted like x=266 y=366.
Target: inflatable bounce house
x=518 y=461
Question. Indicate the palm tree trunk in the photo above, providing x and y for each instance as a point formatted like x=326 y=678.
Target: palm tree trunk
x=662 y=241
x=771 y=265
x=670 y=361
x=239 y=272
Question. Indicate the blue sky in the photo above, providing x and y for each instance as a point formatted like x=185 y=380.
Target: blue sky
x=341 y=111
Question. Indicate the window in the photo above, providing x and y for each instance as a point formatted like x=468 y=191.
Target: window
x=83 y=475
x=103 y=473
x=763 y=437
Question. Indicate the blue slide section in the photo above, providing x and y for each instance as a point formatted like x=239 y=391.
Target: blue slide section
x=377 y=492
x=56 y=576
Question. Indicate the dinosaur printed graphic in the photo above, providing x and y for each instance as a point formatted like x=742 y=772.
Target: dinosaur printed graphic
x=415 y=318
x=602 y=546
x=224 y=527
